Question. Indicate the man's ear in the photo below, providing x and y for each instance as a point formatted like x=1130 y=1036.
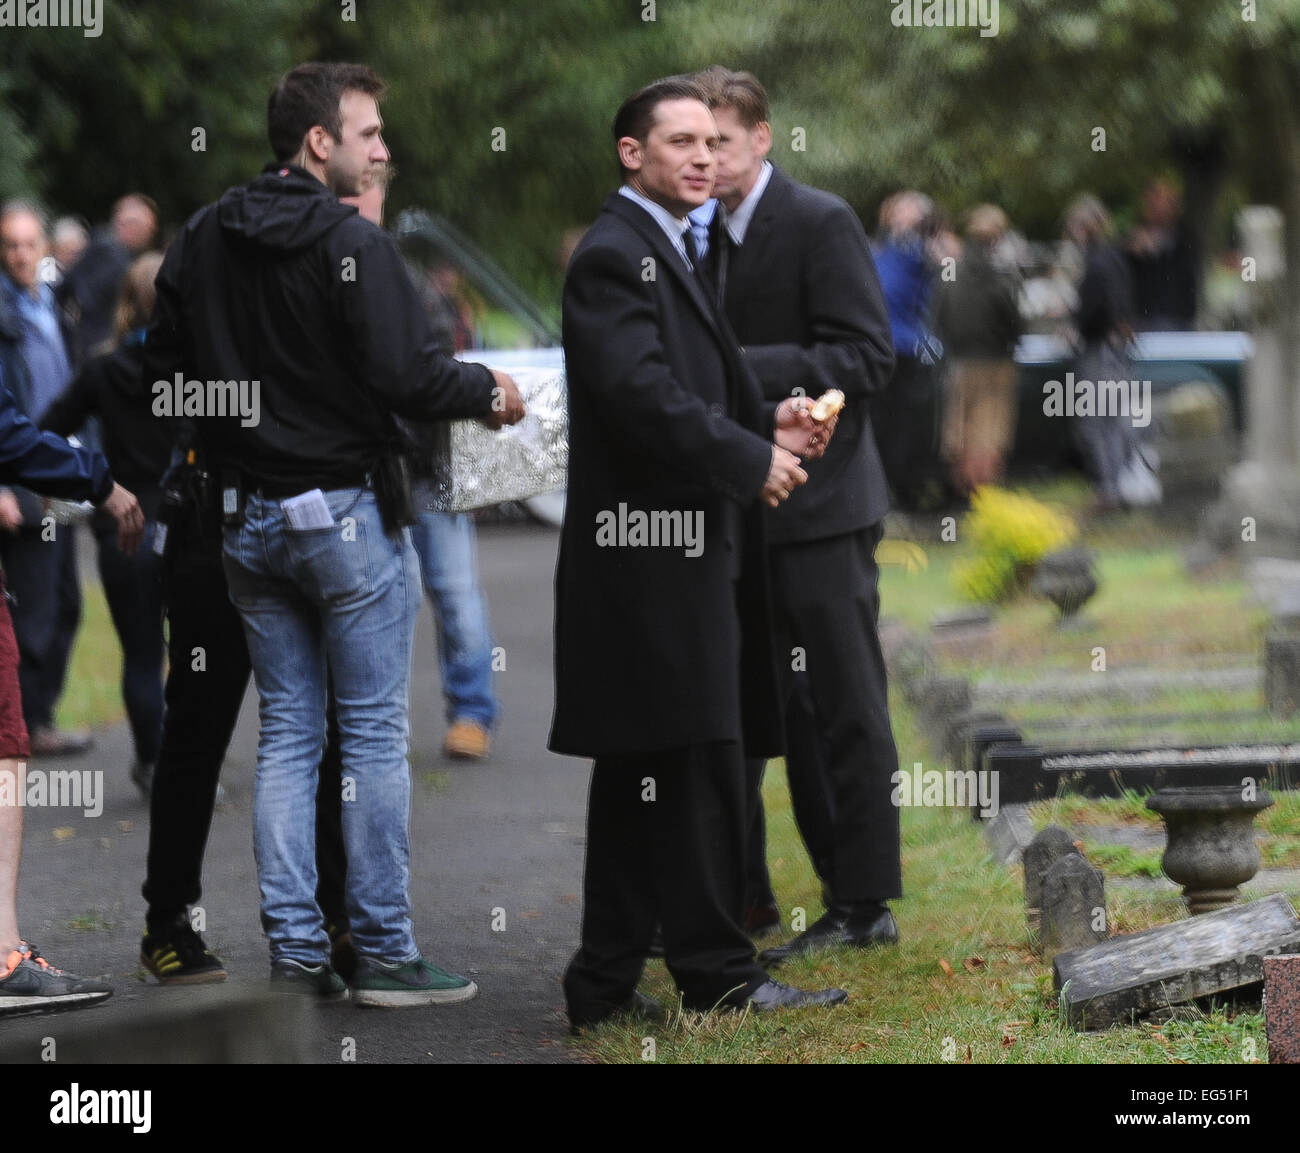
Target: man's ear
x=763 y=138
x=630 y=153
x=317 y=143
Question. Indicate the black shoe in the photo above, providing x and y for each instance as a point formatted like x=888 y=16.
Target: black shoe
x=772 y=995
x=176 y=955
x=637 y=1007
x=866 y=928
x=319 y=981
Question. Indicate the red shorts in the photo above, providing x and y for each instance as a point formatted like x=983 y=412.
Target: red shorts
x=13 y=731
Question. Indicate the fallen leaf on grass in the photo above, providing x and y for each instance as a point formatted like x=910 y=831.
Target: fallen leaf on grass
x=947 y=968
x=1008 y=1040
x=973 y=964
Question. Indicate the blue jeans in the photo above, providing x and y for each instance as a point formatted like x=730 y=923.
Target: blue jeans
x=347 y=594
x=447 y=545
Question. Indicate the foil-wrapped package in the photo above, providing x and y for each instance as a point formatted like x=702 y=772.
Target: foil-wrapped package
x=518 y=462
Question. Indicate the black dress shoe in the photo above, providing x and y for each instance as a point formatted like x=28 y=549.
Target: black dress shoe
x=772 y=995
x=637 y=1007
x=863 y=929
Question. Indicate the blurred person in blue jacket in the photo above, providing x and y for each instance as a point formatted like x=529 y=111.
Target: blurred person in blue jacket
x=905 y=415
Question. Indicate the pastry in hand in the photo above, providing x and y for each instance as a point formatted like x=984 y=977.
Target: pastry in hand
x=827 y=405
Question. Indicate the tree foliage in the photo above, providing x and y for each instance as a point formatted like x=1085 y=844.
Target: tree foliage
x=860 y=105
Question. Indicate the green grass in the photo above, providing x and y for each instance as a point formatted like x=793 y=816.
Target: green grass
x=962 y=984
x=93 y=922
x=92 y=694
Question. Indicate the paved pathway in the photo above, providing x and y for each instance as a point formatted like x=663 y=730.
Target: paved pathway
x=506 y=834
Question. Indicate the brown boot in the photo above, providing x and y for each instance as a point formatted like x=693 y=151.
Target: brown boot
x=466 y=741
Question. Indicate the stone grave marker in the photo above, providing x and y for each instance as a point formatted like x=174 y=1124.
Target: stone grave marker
x=1039 y=855
x=1136 y=973
x=1073 y=906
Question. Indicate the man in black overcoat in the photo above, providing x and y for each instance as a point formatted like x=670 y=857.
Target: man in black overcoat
x=664 y=663
x=800 y=290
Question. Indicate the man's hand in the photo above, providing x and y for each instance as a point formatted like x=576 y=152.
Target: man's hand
x=507 y=404
x=797 y=432
x=125 y=509
x=783 y=476
x=11 y=516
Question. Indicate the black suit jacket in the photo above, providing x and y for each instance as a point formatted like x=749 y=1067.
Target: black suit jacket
x=804 y=300
x=663 y=417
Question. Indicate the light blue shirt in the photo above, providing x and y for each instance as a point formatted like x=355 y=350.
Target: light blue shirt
x=43 y=350
x=672 y=226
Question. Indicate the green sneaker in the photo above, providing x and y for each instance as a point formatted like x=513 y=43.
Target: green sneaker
x=416 y=983
x=319 y=981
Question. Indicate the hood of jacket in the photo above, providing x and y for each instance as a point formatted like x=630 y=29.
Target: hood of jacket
x=285 y=209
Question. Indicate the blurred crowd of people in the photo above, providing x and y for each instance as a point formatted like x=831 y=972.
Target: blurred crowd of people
x=959 y=304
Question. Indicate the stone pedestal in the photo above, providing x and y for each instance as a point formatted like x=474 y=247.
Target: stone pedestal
x=1211 y=841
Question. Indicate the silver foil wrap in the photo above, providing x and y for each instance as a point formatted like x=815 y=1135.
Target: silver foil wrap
x=522 y=460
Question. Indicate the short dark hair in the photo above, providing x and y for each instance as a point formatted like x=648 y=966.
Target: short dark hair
x=309 y=95
x=636 y=115
x=741 y=91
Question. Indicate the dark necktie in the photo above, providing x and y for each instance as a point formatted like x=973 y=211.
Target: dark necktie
x=692 y=253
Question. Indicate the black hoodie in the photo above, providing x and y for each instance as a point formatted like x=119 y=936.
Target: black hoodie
x=280 y=284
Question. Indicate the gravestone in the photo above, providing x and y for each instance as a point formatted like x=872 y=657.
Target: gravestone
x=1131 y=975
x=1282 y=667
x=1074 y=906
x=1039 y=855
x=942 y=697
x=1194 y=441
x=1010 y=833
x=1282 y=1008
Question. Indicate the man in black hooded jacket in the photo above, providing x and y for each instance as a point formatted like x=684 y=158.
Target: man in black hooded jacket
x=287 y=328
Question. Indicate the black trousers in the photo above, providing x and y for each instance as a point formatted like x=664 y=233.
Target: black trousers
x=675 y=860
x=208 y=675
x=840 y=756
x=42 y=575
x=905 y=419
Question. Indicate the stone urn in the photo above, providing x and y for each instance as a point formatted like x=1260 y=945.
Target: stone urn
x=1210 y=847
x=1065 y=578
